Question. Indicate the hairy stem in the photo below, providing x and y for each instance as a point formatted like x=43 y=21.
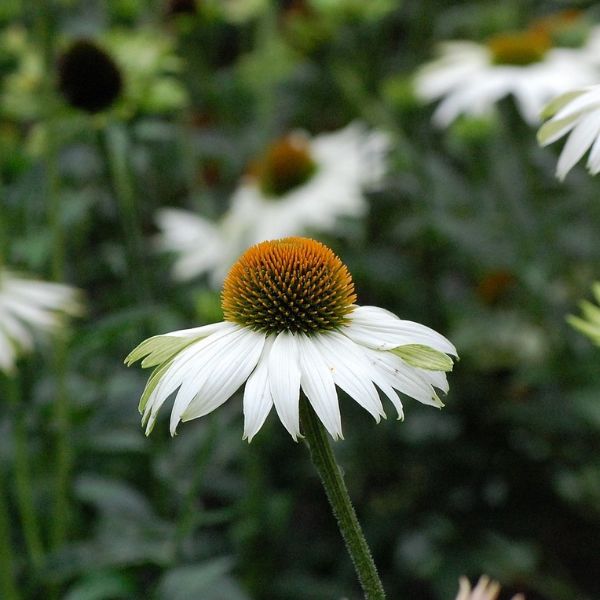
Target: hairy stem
x=339 y=500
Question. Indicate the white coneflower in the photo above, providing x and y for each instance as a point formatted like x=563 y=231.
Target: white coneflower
x=300 y=184
x=486 y=589
x=29 y=307
x=470 y=78
x=290 y=324
x=576 y=113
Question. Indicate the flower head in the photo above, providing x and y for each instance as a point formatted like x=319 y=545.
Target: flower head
x=88 y=77
x=576 y=113
x=286 y=164
x=291 y=324
x=297 y=185
x=470 y=78
x=29 y=307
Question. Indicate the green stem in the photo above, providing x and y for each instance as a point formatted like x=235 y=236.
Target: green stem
x=24 y=487
x=189 y=513
x=331 y=477
x=8 y=588
x=64 y=455
x=63 y=458
x=117 y=153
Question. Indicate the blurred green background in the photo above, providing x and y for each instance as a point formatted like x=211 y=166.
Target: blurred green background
x=470 y=234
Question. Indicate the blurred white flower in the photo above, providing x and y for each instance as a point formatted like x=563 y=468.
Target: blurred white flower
x=29 y=307
x=576 y=113
x=484 y=590
x=291 y=324
x=470 y=78
x=301 y=184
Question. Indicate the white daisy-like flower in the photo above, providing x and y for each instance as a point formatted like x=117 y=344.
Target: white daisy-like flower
x=291 y=324
x=29 y=307
x=486 y=589
x=301 y=184
x=470 y=78
x=576 y=113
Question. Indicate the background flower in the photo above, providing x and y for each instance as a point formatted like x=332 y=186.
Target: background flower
x=300 y=184
x=470 y=78
x=29 y=308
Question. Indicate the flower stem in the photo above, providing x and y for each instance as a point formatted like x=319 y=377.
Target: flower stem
x=117 y=152
x=8 y=588
x=331 y=477
x=23 y=484
x=45 y=29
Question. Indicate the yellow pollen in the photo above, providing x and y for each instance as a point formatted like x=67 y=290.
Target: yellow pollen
x=286 y=164
x=521 y=48
x=294 y=284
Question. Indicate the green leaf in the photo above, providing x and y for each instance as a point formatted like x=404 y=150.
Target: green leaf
x=424 y=357
x=207 y=580
x=101 y=586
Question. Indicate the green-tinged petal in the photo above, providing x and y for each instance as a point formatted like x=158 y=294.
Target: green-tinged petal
x=591 y=312
x=152 y=382
x=548 y=130
x=157 y=349
x=588 y=329
x=555 y=105
x=424 y=357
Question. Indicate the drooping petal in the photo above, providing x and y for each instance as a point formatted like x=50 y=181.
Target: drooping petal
x=257 y=394
x=182 y=368
x=160 y=348
x=580 y=139
x=350 y=370
x=382 y=330
x=229 y=372
x=404 y=378
x=284 y=381
x=317 y=383
x=221 y=365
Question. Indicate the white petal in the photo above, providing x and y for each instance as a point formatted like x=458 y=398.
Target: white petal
x=284 y=381
x=7 y=354
x=229 y=370
x=350 y=370
x=593 y=163
x=184 y=367
x=437 y=379
x=579 y=141
x=382 y=330
x=317 y=383
x=402 y=377
x=257 y=394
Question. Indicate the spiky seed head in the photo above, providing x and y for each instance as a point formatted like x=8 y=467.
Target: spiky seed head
x=293 y=284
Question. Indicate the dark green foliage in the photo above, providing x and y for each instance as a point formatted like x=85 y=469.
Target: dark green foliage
x=471 y=234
